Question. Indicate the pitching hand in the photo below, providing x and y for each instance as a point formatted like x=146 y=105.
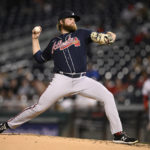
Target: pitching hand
x=36 y=32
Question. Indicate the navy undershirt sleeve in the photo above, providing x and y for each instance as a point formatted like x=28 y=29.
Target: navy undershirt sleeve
x=38 y=57
x=45 y=55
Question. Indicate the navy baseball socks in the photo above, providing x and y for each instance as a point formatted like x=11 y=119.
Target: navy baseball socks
x=4 y=126
x=122 y=138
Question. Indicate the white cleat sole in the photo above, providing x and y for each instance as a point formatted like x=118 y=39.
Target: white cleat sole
x=122 y=142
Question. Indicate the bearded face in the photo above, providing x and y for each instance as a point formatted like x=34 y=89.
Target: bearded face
x=70 y=28
x=69 y=25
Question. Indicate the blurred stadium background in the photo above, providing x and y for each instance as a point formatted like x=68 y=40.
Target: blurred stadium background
x=122 y=67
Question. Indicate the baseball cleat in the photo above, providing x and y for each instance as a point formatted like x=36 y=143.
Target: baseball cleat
x=3 y=126
x=124 y=139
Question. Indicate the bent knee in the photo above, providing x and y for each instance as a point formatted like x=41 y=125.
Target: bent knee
x=109 y=97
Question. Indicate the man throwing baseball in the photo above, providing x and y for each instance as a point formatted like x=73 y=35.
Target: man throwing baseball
x=68 y=51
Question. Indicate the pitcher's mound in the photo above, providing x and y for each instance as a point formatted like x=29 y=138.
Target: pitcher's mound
x=39 y=142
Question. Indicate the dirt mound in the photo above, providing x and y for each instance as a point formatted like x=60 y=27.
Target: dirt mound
x=39 y=142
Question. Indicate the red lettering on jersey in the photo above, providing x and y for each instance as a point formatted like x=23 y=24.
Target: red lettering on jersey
x=63 y=45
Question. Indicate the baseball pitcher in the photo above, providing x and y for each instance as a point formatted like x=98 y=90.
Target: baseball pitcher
x=68 y=51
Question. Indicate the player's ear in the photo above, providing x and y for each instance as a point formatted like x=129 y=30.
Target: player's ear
x=61 y=21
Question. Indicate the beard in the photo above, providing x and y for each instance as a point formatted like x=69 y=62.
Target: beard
x=69 y=28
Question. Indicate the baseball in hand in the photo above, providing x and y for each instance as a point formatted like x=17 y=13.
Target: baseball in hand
x=37 y=29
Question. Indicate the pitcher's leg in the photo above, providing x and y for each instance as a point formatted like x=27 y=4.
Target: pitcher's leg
x=54 y=91
x=97 y=91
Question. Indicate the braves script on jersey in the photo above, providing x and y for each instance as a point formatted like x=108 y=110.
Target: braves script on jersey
x=63 y=45
x=68 y=51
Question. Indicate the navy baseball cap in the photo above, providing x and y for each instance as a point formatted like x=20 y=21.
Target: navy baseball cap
x=68 y=14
